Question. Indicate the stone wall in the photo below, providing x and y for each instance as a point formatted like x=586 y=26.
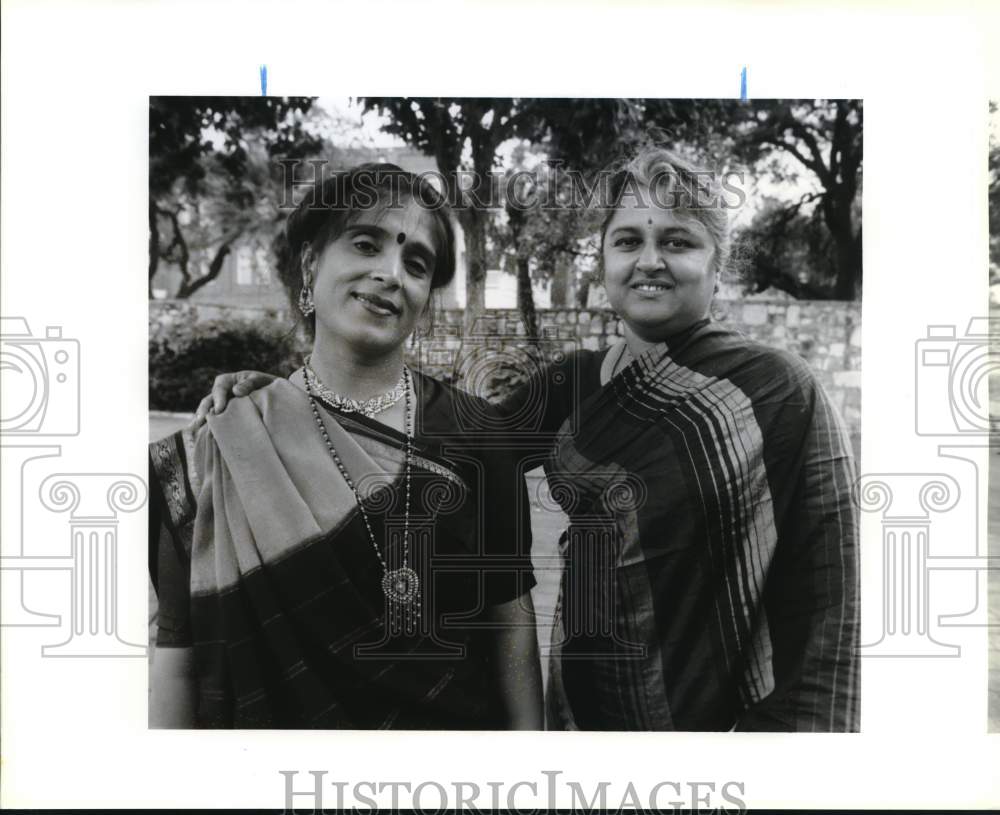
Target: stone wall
x=827 y=334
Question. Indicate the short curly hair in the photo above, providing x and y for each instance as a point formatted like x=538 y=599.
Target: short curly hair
x=683 y=183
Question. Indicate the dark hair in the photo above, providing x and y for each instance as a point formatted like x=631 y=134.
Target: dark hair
x=328 y=208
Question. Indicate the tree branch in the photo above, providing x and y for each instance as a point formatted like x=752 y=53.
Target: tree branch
x=154 y=243
x=214 y=268
x=789 y=212
x=182 y=247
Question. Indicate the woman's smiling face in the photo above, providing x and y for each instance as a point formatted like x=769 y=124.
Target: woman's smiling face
x=373 y=282
x=659 y=268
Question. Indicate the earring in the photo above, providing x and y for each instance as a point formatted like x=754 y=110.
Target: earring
x=306 y=304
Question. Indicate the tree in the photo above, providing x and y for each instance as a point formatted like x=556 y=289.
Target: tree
x=447 y=128
x=789 y=250
x=547 y=239
x=816 y=144
x=211 y=168
x=585 y=137
x=517 y=221
x=994 y=195
x=824 y=137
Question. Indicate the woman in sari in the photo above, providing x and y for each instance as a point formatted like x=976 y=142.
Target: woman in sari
x=331 y=552
x=710 y=563
x=711 y=557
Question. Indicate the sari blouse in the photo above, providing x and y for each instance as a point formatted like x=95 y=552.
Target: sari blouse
x=263 y=563
x=710 y=563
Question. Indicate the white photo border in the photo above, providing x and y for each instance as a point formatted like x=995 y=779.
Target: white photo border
x=77 y=78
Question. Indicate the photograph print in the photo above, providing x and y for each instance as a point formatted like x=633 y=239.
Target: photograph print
x=504 y=413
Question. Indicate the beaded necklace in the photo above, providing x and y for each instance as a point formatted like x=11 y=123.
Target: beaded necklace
x=401 y=586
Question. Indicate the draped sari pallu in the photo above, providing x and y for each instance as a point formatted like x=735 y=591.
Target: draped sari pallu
x=264 y=566
x=710 y=563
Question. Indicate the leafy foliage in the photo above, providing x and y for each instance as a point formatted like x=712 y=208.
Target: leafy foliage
x=994 y=195
x=446 y=128
x=786 y=249
x=186 y=132
x=811 y=143
x=184 y=360
x=541 y=243
x=214 y=177
x=215 y=181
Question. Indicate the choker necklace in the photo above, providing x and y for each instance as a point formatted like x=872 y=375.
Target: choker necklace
x=366 y=407
x=401 y=586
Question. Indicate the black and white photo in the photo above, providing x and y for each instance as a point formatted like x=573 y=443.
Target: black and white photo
x=688 y=547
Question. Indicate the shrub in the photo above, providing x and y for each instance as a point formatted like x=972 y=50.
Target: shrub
x=185 y=357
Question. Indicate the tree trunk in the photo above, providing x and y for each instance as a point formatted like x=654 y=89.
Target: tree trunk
x=474 y=225
x=522 y=267
x=844 y=288
x=526 y=300
x=583 y=292
x=560 y=285
x=858 y=264
x=837 y=214
x=184 y=255
x=215 y=267
x=154 y=245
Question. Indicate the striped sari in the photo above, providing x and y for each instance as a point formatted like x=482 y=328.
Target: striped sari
x=710 y=575
x=263 y=565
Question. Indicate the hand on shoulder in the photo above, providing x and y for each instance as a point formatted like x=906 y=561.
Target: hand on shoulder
x=225 y=387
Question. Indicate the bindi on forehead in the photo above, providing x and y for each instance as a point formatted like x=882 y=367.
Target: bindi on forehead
x=401 y=238
x=666 y=220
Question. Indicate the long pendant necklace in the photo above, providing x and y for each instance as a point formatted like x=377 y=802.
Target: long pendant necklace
x=401 y=586
x=366 y=407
